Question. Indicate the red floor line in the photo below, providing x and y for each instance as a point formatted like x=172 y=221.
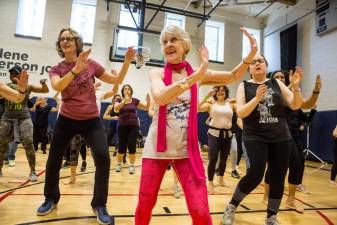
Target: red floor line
x=20 y=185
x=327 y=220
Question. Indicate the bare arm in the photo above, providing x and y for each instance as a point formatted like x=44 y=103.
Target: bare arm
x=309 y=103
x=236 y=74
x=204 y=105
x=145 y=106
x=239 y=123
x=335 y=132
x=114 y=78
x=243 y=108
x=111 y=93
x=107 y=112
x=39 y=89
x=12 y=95
x=293 y=97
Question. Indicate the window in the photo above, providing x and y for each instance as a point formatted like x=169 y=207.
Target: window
x=128 y=38
x=30 y=18
x=245 y=42
x=215 y=40
x=82 y=20
x=175 y=19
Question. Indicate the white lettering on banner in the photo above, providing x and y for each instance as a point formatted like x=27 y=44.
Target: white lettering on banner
x=8 y=59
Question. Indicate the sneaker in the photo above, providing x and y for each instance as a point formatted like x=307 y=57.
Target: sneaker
x=46 y=207
x=84 y=166
x=235 y=174
x=302 y=189
x=11 y=162
x=33 y=176
x=176 y=191
x=66 y=164
x=228 y=215
x=102 y=214
x=272 y=221
x=132 y=169
x=118 y=168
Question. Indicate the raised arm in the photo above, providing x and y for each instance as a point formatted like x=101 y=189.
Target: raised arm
x=145 y=106
x=292 y=97
x=12 y=95
x=163 y=95
x=236 y=74
x=117 y=78
x=243 y=108
x=310 y=102
x=59 y=84
x=204 y=105
x=39 y=89
x=335 y=132
x=111 y=93
x=107 y=112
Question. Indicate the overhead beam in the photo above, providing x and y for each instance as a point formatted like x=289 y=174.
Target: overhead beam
x=209 y=13
x=155 y=14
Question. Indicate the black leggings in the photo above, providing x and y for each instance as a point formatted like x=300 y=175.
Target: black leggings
x=258 y=154
x=127 y=139
x=213 y=153
x=40 y=135
x=238 y=136
x=300 y=149
x=92 y=130
x=295 y=166
x=334 y=166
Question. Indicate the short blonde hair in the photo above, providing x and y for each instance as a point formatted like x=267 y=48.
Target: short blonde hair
x=178 y=33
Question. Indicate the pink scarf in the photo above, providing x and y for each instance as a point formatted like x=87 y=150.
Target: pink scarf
x=192 y=135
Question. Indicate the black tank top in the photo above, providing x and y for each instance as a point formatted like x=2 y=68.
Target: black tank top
x=267 y=121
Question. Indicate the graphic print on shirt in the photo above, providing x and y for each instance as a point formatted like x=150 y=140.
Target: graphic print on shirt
x=264 y=108
x=180 y=112
x=12 y=106
x=80 y=83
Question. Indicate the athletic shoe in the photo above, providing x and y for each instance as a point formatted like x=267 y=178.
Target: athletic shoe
x=118 y=168
x=33 y=176
x=229 y=215
x=11 y=163
x=46 y=207
x=132 y=169
x=102 y=214
x=272 y=221
x=235 y=174
x=84 y=166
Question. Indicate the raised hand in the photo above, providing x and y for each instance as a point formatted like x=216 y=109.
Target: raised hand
x=261 y=92
x=295 y=77
x=82 y=61
x=22 y=81
x=203 y=55
x=252 y=40
x=148 y=99
x=318 y=84
x=130 y=54
x=97 y=85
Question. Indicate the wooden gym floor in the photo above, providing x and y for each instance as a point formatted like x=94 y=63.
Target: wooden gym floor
x=20 y=198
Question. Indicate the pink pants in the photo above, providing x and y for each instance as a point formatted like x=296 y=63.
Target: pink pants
x=153 y=171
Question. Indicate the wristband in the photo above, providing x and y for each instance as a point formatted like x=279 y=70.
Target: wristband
x=315 y=92
x=243 y=60
x=22 y=92
x=73 y=73
x=297 y=90
x=183 y=84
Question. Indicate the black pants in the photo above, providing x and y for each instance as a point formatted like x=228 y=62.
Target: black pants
x=40 y=135
x=92 y=130
x=295 y=166
x=300 y=149
x=238 y=136
x=127 y=139
x=213 y=155
x=112 y=131
x=258 y=154
x=334 y=166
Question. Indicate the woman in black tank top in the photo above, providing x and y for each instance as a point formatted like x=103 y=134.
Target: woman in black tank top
x=260 y=103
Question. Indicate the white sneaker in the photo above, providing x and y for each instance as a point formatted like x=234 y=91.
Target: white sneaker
x=229 y=214
x=11 y=162
x=272 y=221
x=33 y=176
x=176 y=191
x=132 y=169
x=118 y=168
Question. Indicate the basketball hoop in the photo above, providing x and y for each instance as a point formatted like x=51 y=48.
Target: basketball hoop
x=142 y=56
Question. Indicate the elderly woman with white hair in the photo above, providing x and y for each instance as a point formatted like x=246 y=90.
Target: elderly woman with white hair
x=173 y=135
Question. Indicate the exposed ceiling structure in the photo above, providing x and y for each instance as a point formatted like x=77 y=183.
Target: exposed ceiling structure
x=205 y=9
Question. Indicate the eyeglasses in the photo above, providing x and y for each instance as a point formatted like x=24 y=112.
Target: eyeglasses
x=67 y=39
x=279 y=77
x=257 y=60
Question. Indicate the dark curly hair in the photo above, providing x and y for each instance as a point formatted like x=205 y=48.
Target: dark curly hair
x=124 y=86
x=285 y=74
x=77 y=38
x=216 y=88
